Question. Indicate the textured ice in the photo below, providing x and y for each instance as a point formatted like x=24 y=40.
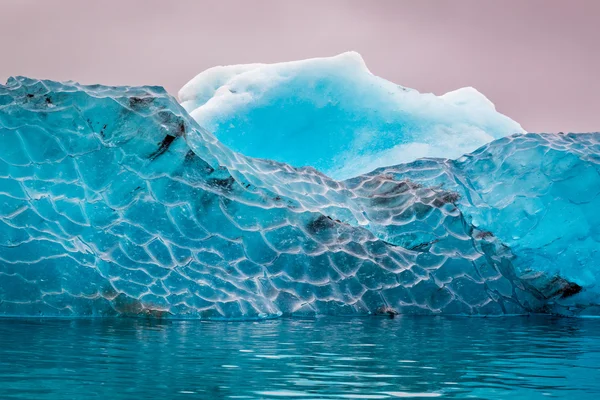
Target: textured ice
x=334 y=115
x=113 y=201
x=538 y=194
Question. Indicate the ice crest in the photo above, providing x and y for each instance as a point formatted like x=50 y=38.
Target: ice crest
x=333 y=114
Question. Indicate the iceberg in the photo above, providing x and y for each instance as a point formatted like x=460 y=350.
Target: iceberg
x=334 y=115
x=115 y=202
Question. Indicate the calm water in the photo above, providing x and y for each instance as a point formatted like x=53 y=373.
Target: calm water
x=373 y=358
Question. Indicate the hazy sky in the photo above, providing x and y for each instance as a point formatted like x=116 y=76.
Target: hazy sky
x=537 y=60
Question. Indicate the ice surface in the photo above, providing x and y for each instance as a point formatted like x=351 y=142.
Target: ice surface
x=113 y=201
x=334 y=115
x=538 y=194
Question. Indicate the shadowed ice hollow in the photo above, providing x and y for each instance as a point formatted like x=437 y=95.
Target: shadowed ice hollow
x=334 y=115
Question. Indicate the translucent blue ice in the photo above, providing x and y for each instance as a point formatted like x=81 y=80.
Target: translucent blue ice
x=334 y=115
x=114 y=201
x=538 y=194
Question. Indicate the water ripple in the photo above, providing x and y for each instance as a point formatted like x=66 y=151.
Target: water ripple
x=331 y=358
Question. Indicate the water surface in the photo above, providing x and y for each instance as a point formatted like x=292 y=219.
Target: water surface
x=372 y=358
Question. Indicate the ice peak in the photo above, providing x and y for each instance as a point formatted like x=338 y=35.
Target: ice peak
x=333 y=114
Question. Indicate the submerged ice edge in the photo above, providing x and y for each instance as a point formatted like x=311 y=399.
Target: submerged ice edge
x=116 y=202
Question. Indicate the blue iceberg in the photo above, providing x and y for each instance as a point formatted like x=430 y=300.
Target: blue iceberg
x=115 y=201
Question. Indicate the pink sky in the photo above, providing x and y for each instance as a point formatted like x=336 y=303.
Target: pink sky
x=537 y=60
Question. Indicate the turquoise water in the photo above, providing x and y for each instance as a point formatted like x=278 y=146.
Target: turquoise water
x=372 y=358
